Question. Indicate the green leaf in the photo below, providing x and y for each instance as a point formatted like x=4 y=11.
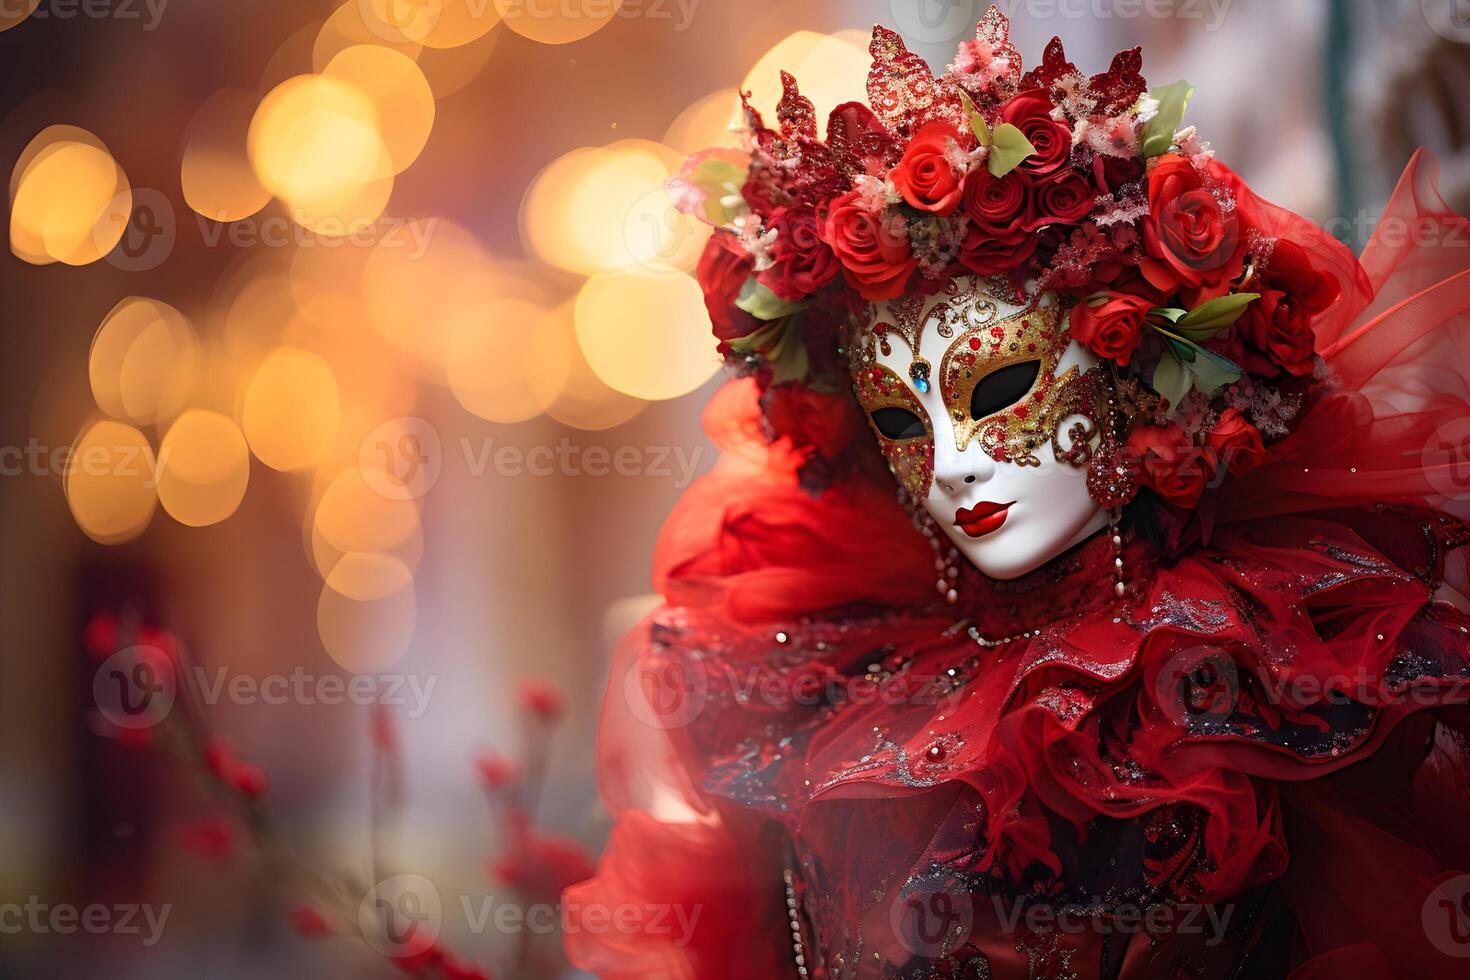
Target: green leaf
x=759 y=341
x=1180 y=347
x=719 y=180
x=1170 y=313
x=1009 y=149
x=1172 y=380
x=758 y=300
x=1202 y=369
x=788 y=359
x=1213 y=372
x=1158 y=133
x=977 y=121
x=1209 y=318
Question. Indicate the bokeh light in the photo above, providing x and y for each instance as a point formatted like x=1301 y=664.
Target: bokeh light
x=315 y=143
x=508 y=360
x=14 y=12
x=399 y=92
x=365 y=636
x=218 y=181
x=706 y=123
x=641 y=332
x=557 y=23
x=352 y=516
x=419 y=280
x=291 y=410
x=829 y=69
x=203 y=468
x=110 y=485
x=352 y=24
x=143 y=362
x=604 y=208
x=584 y=401
x=70 y=201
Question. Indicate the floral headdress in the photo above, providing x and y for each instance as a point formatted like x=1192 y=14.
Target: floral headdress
x=1047 y=181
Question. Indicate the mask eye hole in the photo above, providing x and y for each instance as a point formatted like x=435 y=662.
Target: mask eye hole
x=1002 y=388
x=898 y=423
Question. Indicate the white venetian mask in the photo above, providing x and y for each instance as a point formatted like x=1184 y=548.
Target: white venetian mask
x=986 y=412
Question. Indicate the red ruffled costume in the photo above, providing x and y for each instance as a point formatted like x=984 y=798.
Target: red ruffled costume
x=1253 y=765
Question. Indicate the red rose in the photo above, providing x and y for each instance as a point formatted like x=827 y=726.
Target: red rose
x=1065 y=199
x=1110 y=173
x=723 y=269
x=924 y=176
x=825 y=421
x=999 y=205
x=1111 y=324
x=803 y=262
x=1030 y=112
x=1236 y=442
x=985 y=254
x=1171 y=463
x=1278 y=326
x=1191 y=240
x=876 y=259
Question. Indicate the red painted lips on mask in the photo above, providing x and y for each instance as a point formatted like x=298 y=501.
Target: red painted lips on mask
x=982 y=519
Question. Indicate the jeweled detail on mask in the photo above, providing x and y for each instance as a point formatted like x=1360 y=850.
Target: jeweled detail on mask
x=983 y=341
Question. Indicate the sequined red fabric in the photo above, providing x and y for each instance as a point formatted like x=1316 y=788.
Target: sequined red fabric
x=1253 y=765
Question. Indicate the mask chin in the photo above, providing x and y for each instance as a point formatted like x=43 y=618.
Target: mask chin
x=1029 y=545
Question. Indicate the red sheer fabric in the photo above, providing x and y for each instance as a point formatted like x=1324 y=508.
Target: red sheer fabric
x=1253 y=765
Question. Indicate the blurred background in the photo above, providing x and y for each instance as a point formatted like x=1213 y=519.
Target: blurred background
x=352 y=362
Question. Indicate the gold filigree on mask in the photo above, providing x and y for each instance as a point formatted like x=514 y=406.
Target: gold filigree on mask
x=969 y=312
x=1017 y=431
x=910 y=460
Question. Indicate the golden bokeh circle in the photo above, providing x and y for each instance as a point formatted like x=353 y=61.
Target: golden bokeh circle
x=646 y=332
x=110 y=482
x=366 y=636
x=216 y=176
x=70 y=201
x=292 y=409
x=203 y=468
x=399 y=92
x=508 y=360
x=315 y=143
x=598 y=209
x=557 y=21
x=14 y=12
x=143 y=362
